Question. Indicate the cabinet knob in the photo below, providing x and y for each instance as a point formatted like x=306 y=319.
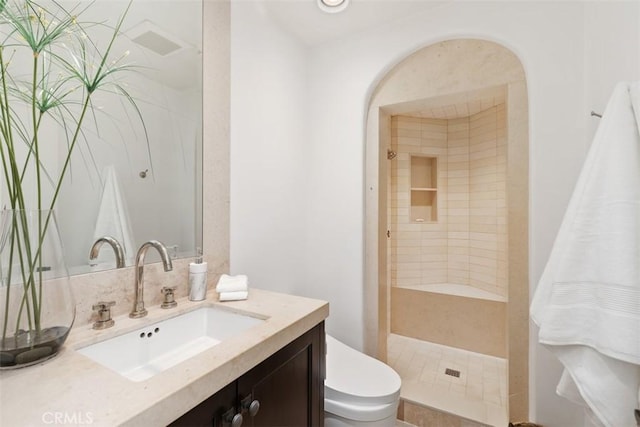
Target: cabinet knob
x=231 y=419
x=236 y=421
x=254 y=407
x=250 y=405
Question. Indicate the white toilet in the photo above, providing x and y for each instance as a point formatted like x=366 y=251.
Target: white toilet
x=358 y=390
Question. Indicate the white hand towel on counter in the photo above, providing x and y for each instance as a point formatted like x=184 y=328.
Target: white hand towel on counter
x=233 y=296
x=587 y=303
x=228 y=283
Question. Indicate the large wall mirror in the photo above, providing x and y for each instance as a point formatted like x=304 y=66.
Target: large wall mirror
x=131 y=184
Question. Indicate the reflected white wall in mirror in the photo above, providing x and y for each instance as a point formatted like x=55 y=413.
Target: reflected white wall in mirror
x=158 y=174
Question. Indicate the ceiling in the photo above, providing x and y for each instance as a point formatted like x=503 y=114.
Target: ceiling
x=304 y=20
x=460 y=109
x=452 y=106
x=307 y=23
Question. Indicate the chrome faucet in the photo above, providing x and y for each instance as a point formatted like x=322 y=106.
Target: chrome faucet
x=115 y=245
x=138 y=304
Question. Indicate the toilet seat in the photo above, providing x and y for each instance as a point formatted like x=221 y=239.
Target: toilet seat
x=357 y=386
x=360 y=412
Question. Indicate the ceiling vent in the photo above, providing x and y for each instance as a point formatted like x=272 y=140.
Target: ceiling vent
x=152 y=37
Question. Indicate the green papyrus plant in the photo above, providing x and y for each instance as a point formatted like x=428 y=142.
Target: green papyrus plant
x=67 y=68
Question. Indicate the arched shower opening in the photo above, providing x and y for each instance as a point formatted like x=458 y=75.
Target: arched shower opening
x=447 y=206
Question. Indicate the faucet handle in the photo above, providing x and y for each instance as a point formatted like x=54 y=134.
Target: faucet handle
x=104 y=314
x=169 y=297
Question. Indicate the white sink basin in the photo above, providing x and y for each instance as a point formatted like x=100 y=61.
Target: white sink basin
x=140 y=354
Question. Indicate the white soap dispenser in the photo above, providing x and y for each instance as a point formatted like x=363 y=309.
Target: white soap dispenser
x=198 y=279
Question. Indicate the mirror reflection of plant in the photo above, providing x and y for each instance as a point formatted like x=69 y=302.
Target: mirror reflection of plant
x=67 y=69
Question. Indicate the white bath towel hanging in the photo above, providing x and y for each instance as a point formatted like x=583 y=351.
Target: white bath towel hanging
x=113 y=219
x=587 y=303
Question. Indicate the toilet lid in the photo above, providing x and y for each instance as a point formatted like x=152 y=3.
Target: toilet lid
x=353 y=376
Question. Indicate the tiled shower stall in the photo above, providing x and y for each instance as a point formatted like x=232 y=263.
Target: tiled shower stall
x=447 y=243
x=453 y=228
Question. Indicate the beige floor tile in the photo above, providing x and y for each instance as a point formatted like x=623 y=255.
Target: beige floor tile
x=478 y=395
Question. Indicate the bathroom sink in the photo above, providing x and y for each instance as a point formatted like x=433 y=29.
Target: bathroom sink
x=140 y=354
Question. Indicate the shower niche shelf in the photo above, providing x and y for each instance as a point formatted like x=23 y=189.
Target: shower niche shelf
x=424 y=189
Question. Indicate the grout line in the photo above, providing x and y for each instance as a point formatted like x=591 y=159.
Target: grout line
x=482 y=378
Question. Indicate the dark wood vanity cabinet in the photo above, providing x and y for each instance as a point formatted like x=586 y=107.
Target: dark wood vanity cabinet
x=287 y=389
x=212 y=411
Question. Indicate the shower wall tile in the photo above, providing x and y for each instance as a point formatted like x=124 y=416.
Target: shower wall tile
x=468 y=242
x=488 y=254
x=458 y=198
x=407 y=131
x=428 y=264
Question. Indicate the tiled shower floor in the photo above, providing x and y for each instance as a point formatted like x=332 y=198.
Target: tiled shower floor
x=479 y=394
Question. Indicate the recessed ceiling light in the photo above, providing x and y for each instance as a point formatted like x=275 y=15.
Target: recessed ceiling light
x=333 y=6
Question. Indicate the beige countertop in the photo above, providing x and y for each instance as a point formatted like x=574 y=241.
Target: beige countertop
x=71 y=389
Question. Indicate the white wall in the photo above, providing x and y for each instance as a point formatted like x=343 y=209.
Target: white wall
x=269 y=190
x=612 y=51
x=562 y=46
